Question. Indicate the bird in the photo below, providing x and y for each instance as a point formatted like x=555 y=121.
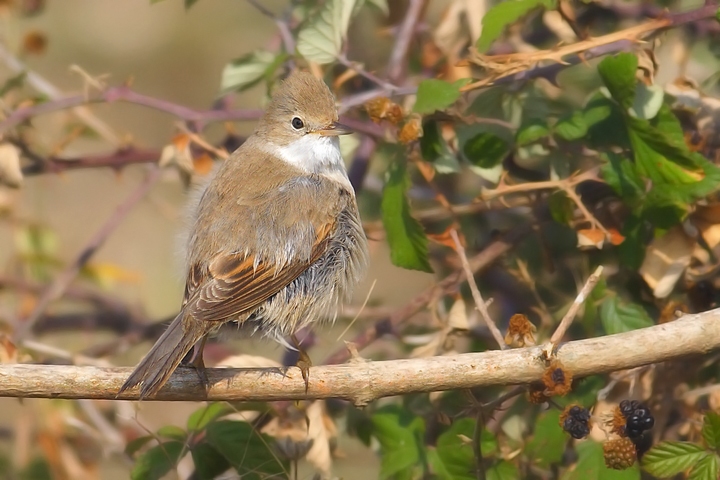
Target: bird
x=275 y=240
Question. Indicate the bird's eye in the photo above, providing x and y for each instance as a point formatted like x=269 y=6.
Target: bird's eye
x=297 y=124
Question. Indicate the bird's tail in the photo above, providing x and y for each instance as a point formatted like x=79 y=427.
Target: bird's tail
x=163 y=358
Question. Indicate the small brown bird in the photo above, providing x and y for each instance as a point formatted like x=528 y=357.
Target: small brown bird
x=276 y=237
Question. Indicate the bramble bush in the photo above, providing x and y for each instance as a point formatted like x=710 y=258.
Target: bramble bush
x=570 y=135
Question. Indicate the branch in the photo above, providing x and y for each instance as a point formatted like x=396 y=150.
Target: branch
x=125 y=94
x=115 y=160
x=397 y=63
x=63 y=280
x=363 y=382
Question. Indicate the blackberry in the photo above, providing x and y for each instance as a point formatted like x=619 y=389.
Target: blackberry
x=575 y=420
x=638 y=418
x=643 y=443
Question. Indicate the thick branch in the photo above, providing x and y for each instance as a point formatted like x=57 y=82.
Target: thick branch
x=362 y=382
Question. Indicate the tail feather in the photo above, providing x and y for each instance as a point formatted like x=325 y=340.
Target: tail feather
x=163 y=358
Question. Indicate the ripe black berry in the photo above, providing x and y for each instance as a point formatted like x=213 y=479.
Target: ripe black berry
x=575 y=420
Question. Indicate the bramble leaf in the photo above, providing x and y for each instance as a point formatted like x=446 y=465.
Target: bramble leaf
x=157 y=462
x=711 y=430
x=436 y=94
x=321 y=39
x=502 y=14
x=618 y=316
x=670 y=458
x=485 y=150
x=399 y=434
x=405 y=235
x=247 y=450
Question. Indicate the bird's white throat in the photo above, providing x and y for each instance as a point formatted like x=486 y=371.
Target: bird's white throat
x=315 y=154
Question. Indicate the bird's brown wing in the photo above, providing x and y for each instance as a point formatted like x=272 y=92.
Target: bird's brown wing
x=233 y=285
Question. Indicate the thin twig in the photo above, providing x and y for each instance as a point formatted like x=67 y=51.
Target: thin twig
x=572 y=311
x=479 y=302
x=59 y=353
x=51 y=91
x=63 y=280
x=477 y=445
x=126 y=94
x=561 y=184
x=282 y=25
x=116 y=160
x=364 y=73
x=482 y=260
x=397 y=62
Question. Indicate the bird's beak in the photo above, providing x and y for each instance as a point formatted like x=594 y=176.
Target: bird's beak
x=334 y=129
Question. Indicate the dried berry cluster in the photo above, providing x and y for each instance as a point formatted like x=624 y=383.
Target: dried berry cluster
x=575 y=420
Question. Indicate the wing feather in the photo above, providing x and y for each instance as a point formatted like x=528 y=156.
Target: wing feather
x=233 y=284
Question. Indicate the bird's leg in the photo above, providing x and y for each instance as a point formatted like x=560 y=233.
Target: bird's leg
x=304 y=363
x=195 y=360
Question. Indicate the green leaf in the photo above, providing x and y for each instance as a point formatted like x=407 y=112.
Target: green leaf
x=189 y=3
x=622 y=175
x=400 y=436
x=548 y=442
x=618 y=316
x=202 y=416
x=209 y=463
x=381 y=5
x=486 y=150
x=157 y=462
x=711 y=430
x=37 y=469
x=618 y=75
x=434 y=149
x=359 y=425
x=321 y=39
x=247 y=450
x=502 y=14
x=647 y=101
x=454 y=457
x=12 y=83
x=591 y=465
x=606 y=124
x=134 y=445
x=572 y=126
x=706 y=469
x=436 y=94
x=248 y=70
x=657 y=158
x=172 y=432
x=531 y=131
x=670 y=458
x=503 y=471
x=562 y=208
x=405 y=235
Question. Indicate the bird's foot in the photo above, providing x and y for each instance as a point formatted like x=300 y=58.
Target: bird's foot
x=196 y=361
x=303 y=363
